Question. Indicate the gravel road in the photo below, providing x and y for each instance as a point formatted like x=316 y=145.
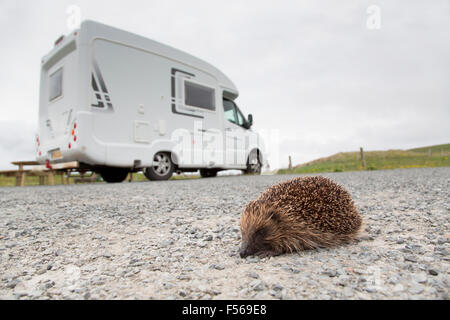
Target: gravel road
x=180 y=240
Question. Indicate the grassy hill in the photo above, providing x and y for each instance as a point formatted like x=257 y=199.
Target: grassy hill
x=377 y=160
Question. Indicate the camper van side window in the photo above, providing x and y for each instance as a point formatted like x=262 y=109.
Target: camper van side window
x=55 y=84
x=199 y=96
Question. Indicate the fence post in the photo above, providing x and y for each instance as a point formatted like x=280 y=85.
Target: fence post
x=430 y=153
x=363 y=161
x=290 y=163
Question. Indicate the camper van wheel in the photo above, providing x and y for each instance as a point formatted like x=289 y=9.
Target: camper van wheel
x=112 y=175
x=208 y=173
x=162 y=167
x=253 y=164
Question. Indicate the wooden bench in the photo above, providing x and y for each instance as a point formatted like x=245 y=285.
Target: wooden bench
x=62 y=169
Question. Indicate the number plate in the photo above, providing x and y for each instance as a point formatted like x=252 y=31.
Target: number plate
x=56 y=154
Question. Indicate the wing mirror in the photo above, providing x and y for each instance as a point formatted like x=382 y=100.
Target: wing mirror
x=249 y=121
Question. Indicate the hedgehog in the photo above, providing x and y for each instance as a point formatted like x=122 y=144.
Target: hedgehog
x=299 y=214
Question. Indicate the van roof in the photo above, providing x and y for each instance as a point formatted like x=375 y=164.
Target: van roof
x=90 y=29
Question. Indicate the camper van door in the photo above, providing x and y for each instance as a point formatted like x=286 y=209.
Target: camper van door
x=196 y=100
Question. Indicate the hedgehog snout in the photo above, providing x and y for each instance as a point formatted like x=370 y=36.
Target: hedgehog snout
x=244 y=250
x=247 y=249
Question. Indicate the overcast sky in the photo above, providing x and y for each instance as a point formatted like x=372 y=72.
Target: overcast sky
x=312 y=70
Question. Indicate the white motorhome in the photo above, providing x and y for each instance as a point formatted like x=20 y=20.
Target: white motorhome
x=117 y=103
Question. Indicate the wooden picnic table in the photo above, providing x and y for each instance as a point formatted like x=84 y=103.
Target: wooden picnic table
x=42 y=171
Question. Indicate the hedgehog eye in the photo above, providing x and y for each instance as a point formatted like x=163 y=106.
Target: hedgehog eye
x=261 y=232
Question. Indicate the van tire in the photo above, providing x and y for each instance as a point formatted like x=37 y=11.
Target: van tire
x=208 y=173
x=163 y=168
x=252 y=166
x=114 y=175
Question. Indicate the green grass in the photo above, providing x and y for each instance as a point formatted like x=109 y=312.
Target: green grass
x=444 y=148
x=378 y=160
x=34 y=181
x=29 y=181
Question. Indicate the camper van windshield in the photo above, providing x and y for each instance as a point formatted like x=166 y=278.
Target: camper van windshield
x=240 y=117
x=55 y=85
x=233 y=114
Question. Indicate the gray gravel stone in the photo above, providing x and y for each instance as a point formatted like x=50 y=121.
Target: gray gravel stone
x=330 y=273
x=398 y=288
x=433 y=272
x=12 y=284
x=277 y=287
x=410 y=258
x=252 y=259
x=257 y=285
x=217 y=266
x=348 y=292
x=420 y=278
x=416 y=289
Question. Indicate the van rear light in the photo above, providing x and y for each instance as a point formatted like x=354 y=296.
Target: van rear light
x=73 y=132
x=74 y=138
x=75 y=125
x=69 y=146
x=40 y=153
